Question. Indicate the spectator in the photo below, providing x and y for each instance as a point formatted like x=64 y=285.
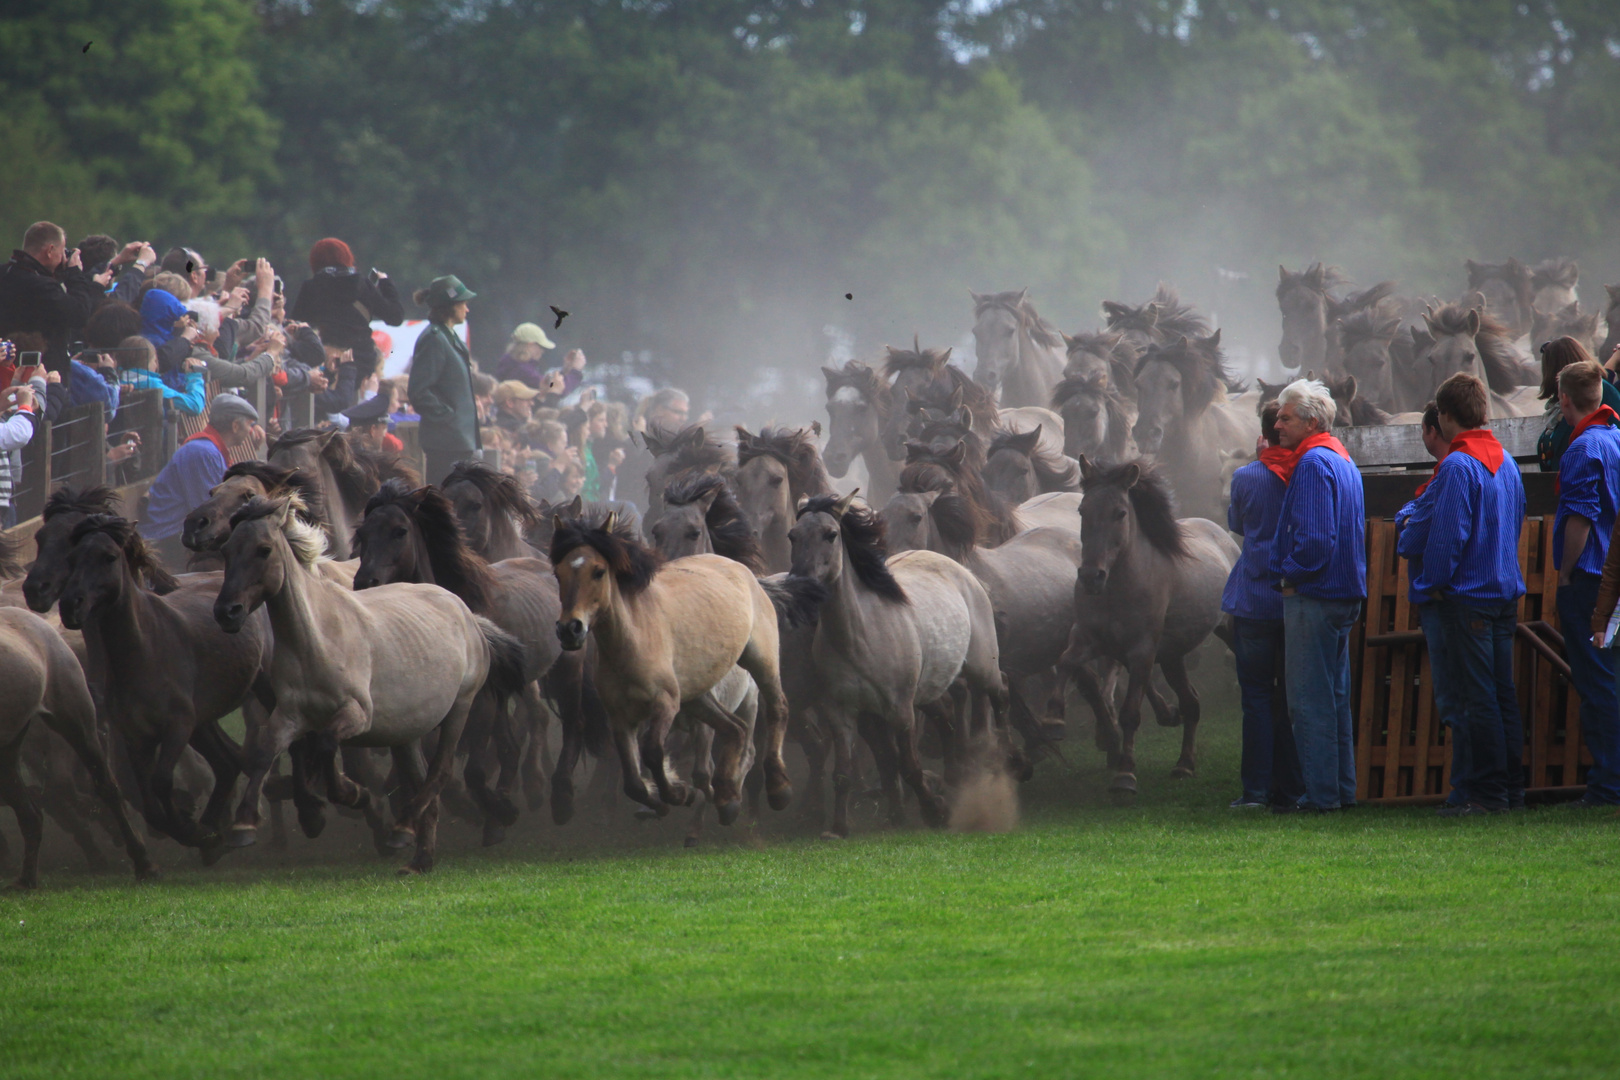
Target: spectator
x=521 y=361
x=340 y=304
x=1318 y=559
x=1555 y=357
x=368 y=422
x=112 y=322
x=190 y=266
x=130 y=267
x=247 y=312
x=666 y=409
x=484 y=397
x=137 y=370
x=18 y=423
x=342 y=377
x=170 y=327
x=441 y=381
x=44 y=289
x=514 y=404
x=198 y=464
x=96 y=253
x=175 y=285
x=1464 y=536
x=1588 y=483
x=1270 y=768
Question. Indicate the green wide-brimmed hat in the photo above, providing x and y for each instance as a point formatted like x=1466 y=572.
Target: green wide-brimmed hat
x=447 y=290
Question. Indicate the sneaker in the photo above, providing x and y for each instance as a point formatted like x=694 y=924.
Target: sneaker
x=1243 y=802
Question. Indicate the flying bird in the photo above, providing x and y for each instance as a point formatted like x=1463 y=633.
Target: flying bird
x=87 y=46
x=849 y=296
x=561 y=315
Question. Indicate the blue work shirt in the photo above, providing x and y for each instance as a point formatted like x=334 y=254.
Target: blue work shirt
x=182 y=486
x=1588 y=479
x=1321 y=546
x=1257 y=497
x=1468 y=540
x=1413 y=522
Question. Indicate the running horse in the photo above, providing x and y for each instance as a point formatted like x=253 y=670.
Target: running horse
x=1020 y=355
x=775 y=469
x=860 y=411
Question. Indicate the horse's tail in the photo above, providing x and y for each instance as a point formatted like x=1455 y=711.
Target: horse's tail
x=506 y=676
x=797 y=600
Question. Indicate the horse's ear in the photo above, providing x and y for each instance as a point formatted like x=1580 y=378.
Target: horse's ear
x=928 y=497
x=1152 y=315
x=611 y=521
x=804 y=500
x=1023 y=294
x=692 y=438
x=1087 y=469
x=843 y=504
x=707 y=500
x=945 y=357
x=1282 y=274
x=744 y=437
x=1068 y=342
x=1133 y=473
x=963 y=417
x=1473 y=321
x=1613 y=291
x=556 y=522
x=957 y=454
x=1214 y=340
x=915 y=450
x=976 y=297
x=1572 y=310
x=575 y=507
x=955 y=402
x=1348 y=385
x=831 y=375
x=1421 y=339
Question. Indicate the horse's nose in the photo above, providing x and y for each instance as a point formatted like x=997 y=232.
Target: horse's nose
x=365 y=581
x=1092 y=579
x=1148 y=438
x=34 y=596
x=571 y=633
x=230 y=616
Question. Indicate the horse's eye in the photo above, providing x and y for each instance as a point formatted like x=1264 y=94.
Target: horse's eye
x=398 y=534
x=691 y=534
x=109 y=557
x=916 y=519
x=264 y=551
x=776 y=481
x=598 y=574
x=829 y=536
x=860 y=406
x=1119 y=515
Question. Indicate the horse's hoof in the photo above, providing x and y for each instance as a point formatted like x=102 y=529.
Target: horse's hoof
x=831 y=835
x=212 y=853
x=23 y=885
x=406 y=872
x=494 y=833
x=647 y=813
x=401 y=838
x=934 y=811
x=1183 y=772
x=690 y=841
x=312 y=822
x=1124 y=782
x=1123 y=798
x=1172 y=719
x=241 y=838
x=780 y=795
x=728 y=810
x=148 y=873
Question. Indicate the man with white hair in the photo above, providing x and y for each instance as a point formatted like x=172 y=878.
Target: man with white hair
x=1319 y=561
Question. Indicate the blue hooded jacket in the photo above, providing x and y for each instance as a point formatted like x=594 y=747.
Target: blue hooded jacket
x=158 y=312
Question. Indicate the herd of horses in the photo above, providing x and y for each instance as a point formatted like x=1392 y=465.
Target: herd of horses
x=1049 y=522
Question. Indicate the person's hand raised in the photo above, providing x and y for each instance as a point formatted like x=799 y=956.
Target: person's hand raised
x=317 y=380
x=74 y=260
x=53 y=376
x=130 y=253
x=264 y=277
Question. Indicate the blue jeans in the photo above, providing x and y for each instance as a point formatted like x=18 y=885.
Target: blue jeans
x=1444 y=708
x=1476 y=655
x=1593 y=672
x=1318 y=666
x=1270 y=762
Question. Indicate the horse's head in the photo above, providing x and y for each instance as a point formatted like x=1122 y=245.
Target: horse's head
x=1364 y=340
x=266 y=538
x=1010 y=468
x=1303 y=298
x=682 y=530
x=908 y=520
x=1568 y=321
x=996 y=326
x=64 y=510
x=595 y=565
x=1506 y=291
x=857 y=408
x=1552 y=284
x=106 y=560
x=207 y=526
x=1106 y=524
x=920 y=376
x=388 y=541
x=1452 y=330
x=1160 y=403
x=473 y=511
x=764 y=483
x=817 y=538
x=1611 y=316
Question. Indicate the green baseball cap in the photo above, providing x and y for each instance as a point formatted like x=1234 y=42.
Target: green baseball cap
x=447 y=290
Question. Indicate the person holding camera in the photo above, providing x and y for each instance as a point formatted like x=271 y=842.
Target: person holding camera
x=18 y=422
x=45 y=289
x=340 y=303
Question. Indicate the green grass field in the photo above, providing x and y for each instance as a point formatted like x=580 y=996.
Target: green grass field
x=1177 y=938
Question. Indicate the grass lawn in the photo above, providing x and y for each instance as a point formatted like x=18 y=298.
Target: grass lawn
x=1177 y=938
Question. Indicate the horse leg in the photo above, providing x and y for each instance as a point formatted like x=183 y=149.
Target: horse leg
x=360 y=766
x=562 y=777
x=929 y=802
x=635 y=786
x=29 y=819
x=730 y=733
x=180 y=825
x=879 y=738
x=816 y=747
x=309 y=807
x=530 y=722
x=81 y=736
x=60 y=801
x=763 y=666
x=844 y=779
x=1140 y=668
x=269 y=742
x=1175 y=673
x=419 y=783
x=224 y=758
x=565 y=684
x=487 y=714
x=1165 y=714
x=653 y=738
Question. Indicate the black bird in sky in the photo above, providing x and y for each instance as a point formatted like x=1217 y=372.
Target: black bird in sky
x=87 y=46
x=561 y=315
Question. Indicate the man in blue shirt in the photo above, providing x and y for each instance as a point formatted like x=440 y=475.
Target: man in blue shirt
x=197 y=466
x=1319 y=560
x=1270 y=769
x=1469 y=579
x=1588 y=483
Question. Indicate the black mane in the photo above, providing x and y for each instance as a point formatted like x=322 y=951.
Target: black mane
x=143 y=562
x=730 y=533
x=501 y=492
x=633 y=563
x=795 y=448
x=91 y=500
x=456 y=567
x=864 y=543
x=273 y=477
x=1150 y=498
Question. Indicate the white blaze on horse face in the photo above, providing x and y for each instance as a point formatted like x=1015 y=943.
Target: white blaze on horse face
x=847 y=395
x=579 y=561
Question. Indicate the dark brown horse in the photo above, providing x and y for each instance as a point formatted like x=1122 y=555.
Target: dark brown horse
x=995 y=519
x=1018 y=468
x=1508 y=292
x=775 y=469
x=928 y=377
x=209 y=524
x=165 y=673
x=1097 y=417
x=1311 y=314
x=347 y=473
x=678 y=454
x=1160 y=321
x=494 y=511
x=1364 y=342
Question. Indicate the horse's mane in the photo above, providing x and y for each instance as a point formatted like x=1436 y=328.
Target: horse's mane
x=1018 y=304
x=456 y=566
x=864 y=543
x=11 y=556
x=1174 y=317
x=385 y=465
x=1202 y=365
x=633 y=563
x=356 y=477
x=864 y=380
x=501 y=491
x=1119 y=419
x=1112 y=347
x=1356 y=302
x=951 y=427
x=1556 y=271
x=691 y=447
x=1504 y=371
x=795 y=448
x=143 y=562
x=1369 y=324
x=99 y=499
x=1053 y=472
x=1317 y=278
x=1565 y=322
x=956 y=521
x=730 y=532
x=997 y=519
x=1150 y=498
x=308 y=542
x=276 y=477
x=978 y=399
x=1354 y=410
x=1514 y=273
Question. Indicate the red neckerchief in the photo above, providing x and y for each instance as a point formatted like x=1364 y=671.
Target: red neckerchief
x=1434 y=472
x=1321 y=438
x=1600 y=415
x=1279 y=461
x=212 y=436
x=1481 y=445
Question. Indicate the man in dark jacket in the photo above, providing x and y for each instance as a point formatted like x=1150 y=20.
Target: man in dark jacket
x=44 y=289
x=340 y=303
x=441 y=387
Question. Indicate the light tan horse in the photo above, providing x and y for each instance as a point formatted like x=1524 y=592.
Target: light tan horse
x=666 y=634
x=383 y=667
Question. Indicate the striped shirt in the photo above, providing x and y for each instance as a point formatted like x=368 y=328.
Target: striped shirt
x=1321 y=547
x=1257 y=498
x=1588 y=480
x=1467 y=542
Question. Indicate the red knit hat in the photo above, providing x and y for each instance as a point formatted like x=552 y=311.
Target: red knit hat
x=330 y=252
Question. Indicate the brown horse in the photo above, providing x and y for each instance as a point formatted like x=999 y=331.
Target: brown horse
x=775 y=469
x=1148 y=591
x=1018 y=468
x=1508 y=293
x=494 y=511
x=164 y=672
x=1552 y=284
x=861 y=412
x=666 y=635
x=1097 y=417
x=347 y=473
x=1020 y=356
x=1364 y=342
x=1311 y=314
x=1611 y=318
x=209 y=523
x=1459 y=338
x=1568 y=321
x=687 y=451
x=1160 y=321
x=413 y=536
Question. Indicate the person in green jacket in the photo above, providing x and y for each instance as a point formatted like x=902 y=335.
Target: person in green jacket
x=440 y=388
x=1555 y=357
